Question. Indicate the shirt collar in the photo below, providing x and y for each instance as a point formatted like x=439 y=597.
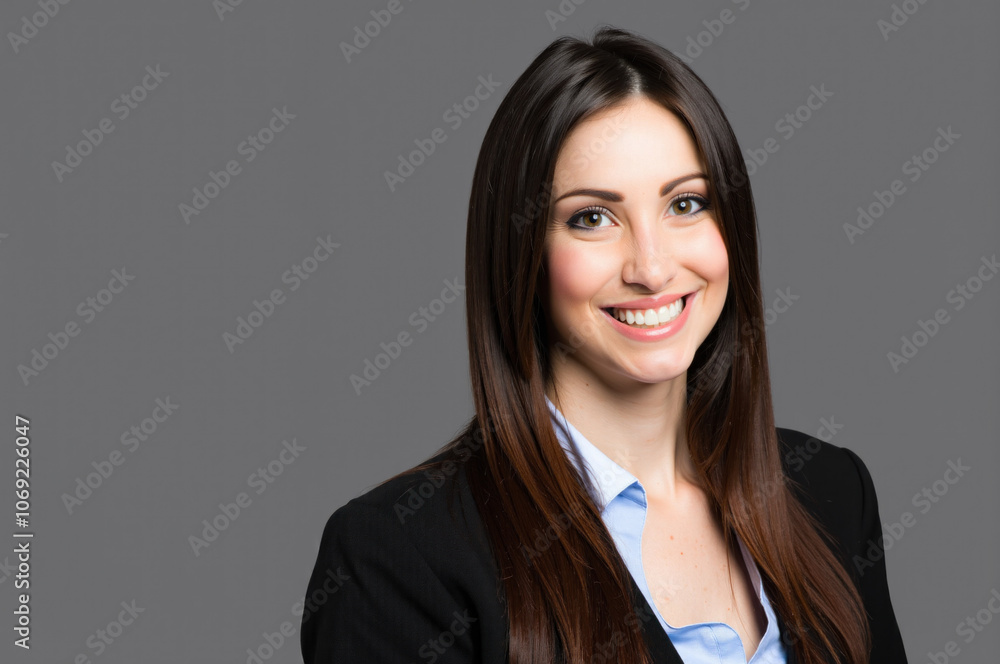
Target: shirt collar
x=607 y=478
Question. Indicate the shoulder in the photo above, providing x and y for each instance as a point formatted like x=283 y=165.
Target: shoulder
x=409 y=553
x=833 y=483
x=429 y=515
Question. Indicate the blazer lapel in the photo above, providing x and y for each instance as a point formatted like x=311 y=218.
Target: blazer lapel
x=659 y=644
x=787 y=640
x=662 y=648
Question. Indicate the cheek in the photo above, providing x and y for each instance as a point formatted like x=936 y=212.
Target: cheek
x=711 y=256
x=575 y=274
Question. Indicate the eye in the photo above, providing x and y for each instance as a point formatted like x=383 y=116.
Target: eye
x=589 y=215
x=689 y=204
x=685 y=205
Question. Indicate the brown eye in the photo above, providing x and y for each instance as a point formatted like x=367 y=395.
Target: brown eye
x=689 y=204
x=588 y=218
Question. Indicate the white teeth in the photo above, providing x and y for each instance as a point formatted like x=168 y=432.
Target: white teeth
x=649 y=317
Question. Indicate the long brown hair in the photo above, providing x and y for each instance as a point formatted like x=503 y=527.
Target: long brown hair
x=575 y=599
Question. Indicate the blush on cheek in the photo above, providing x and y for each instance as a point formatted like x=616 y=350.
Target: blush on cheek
x=710 y=254
x=575 y=276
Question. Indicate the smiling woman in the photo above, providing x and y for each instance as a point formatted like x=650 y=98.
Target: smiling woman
x=622 y=493
x=653 y=234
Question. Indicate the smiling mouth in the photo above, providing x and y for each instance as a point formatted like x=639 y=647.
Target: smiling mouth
x=649 y=319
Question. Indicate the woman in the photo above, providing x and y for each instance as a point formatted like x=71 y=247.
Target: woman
x=622 y=493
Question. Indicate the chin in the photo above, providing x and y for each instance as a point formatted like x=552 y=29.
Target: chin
x=644 y=372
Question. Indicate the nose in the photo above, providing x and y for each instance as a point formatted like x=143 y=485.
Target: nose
x=649 y=261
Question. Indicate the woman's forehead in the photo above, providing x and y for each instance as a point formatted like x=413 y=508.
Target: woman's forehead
x=640 y=135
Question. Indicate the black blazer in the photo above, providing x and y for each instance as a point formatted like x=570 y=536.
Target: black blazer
x=401 y=579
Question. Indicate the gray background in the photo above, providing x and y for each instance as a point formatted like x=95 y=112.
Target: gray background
x=322 y=176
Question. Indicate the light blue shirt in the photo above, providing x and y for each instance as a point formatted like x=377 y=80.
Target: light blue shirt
x=622 y=500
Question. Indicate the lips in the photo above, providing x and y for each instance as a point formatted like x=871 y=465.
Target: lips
x=662 y=331
x=642 y=305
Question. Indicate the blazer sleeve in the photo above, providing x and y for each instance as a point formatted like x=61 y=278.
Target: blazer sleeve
x=373 y=598
x=868 y=561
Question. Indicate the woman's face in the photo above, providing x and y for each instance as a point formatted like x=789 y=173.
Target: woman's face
x=631 y=233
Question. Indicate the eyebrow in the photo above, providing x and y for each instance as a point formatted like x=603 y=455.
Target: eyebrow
x=615 y=197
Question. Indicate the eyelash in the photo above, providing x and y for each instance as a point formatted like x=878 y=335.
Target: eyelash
x=698 y=198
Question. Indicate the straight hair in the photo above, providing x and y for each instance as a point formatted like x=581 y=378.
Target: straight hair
x=573 y=601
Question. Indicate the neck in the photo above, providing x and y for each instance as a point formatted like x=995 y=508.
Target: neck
x=639 y=426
